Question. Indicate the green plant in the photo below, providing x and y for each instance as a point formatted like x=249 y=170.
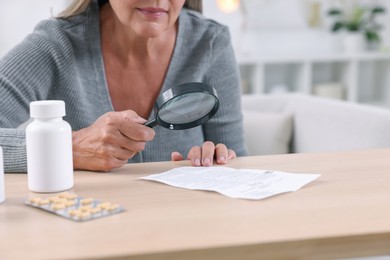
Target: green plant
x=358 y=18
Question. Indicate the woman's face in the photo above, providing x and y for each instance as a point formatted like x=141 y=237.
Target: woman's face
x=148 y=18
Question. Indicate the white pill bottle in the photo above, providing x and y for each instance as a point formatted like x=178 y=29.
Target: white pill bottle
x=49 y=148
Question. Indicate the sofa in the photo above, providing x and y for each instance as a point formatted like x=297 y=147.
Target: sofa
x=299 y=123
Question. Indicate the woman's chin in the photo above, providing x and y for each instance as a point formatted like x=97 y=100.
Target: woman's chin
x=150 y=31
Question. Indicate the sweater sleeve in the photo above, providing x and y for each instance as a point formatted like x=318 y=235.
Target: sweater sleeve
x=30 y=71
x=227 y=125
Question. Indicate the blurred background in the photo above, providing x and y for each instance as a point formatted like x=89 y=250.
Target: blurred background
x=19 y=17
x=333 y=48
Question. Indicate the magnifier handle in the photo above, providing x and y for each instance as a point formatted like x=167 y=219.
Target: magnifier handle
x=152 y=123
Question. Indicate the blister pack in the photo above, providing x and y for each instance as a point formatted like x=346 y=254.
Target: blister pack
x=71 y=206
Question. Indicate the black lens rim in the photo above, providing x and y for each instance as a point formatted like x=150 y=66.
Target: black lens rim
x=186 y=88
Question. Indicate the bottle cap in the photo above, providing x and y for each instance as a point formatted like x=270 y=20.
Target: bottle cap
x=47 y=109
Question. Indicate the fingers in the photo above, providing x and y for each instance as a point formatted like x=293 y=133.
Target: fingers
x=130 y=125
x=195 y=155
x=221 y=154
x=107 y=165
x=208 y=149
x=204 y=156
x=135 y=134
x=123 y=154
x=231 y=154
x=86 y=158
x=110 y=141
x=123 y=130
x=175 y=156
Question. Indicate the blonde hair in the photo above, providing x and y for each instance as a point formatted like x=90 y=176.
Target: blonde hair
x=79 y=6
x=75 y=8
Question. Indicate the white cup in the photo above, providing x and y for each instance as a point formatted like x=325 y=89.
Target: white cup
x=2 y=193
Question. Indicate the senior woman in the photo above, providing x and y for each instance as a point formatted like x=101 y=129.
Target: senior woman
x=109 y=61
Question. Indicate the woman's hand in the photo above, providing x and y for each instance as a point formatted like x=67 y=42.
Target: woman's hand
x=110 y=141
x=204 y=156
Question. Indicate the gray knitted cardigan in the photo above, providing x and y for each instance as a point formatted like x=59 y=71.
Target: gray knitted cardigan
x=62 y=59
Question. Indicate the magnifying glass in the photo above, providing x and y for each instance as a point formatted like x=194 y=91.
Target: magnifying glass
x=185 y=106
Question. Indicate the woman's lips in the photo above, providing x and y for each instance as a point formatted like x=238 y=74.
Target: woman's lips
x=152 y=11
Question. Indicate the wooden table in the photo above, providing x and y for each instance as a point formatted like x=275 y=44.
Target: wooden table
x=344 y=213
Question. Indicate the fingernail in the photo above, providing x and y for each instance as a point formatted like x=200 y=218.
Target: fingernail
x=197 y=162
x=206 y=162
x=222 y=158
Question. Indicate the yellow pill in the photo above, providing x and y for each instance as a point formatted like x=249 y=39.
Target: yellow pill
x=85 y=215
x=34 y=200
x=95 y=210
x=63 y=194
x=86 y=201
x=43 y=202
x=70 y=203
x=74 y=213
x=71 y=196
x=60 y=201
x=113 y=207
x=57 y=206
x=85 y=208
x=104 y=205
x=54 y=198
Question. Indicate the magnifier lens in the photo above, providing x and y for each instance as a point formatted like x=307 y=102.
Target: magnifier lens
x=187 y=108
